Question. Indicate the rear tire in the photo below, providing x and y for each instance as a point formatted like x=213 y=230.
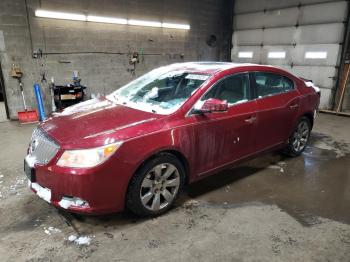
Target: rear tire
x=300 y=137
x=155 y=186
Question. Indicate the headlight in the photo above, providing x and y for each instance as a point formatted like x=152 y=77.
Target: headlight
x=87 y=157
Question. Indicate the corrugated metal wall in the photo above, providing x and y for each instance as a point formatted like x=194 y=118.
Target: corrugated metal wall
x=292 y=28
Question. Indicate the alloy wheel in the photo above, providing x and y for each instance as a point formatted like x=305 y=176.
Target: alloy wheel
x=160 y=186
x=301 y=136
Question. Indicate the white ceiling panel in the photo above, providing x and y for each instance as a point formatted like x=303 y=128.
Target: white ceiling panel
x=248 y=37
x=243 y=6
x=323 y=13
x=282 y=17
x=314 y=2
x=275 y=18
x=322 y=34
x=249 y=21
x=281 y=36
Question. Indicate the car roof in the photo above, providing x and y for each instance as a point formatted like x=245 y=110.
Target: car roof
x=208 y=67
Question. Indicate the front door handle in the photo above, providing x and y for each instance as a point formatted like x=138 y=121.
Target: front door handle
x=250 y=120
x=293 y=106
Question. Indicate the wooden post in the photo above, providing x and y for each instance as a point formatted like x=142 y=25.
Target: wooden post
x=343 y=84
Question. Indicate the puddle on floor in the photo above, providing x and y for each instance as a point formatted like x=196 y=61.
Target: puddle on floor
x=316 y=184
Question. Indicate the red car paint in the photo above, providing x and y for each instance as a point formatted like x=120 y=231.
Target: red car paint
x=205 y=143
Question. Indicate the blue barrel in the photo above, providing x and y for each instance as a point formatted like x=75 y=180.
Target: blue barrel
x=39 y=101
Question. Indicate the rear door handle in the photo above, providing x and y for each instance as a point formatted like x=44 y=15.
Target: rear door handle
x=250 y=120
x=293 y=106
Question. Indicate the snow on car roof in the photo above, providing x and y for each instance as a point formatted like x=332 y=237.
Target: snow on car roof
x=207 y=67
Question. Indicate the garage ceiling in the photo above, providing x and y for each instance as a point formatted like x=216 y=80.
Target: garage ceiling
x=292 y=28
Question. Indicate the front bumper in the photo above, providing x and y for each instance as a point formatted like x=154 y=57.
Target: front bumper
x=73 y=204
x=97 y=190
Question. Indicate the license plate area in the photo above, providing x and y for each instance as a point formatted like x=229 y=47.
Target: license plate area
x=29 y=171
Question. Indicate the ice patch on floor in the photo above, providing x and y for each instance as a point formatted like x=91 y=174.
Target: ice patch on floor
x=51 y=230
x=19 y=182
x=274 y=167
x=81 y=240
x=279 y=166
x=191 y=203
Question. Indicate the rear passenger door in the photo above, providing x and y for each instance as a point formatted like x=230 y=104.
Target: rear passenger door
x=277 y=102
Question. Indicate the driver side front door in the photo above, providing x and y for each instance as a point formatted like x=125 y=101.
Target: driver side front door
x=222 y=138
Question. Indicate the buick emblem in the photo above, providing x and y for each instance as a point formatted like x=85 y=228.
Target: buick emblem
x=34 y=145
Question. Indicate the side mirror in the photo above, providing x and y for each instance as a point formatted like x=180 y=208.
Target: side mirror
x=212 y=105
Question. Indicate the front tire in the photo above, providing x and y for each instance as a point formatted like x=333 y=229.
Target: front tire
x=300 y=137
x=155 y=186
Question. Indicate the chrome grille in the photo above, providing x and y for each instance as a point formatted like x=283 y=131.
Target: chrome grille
x=42 y=148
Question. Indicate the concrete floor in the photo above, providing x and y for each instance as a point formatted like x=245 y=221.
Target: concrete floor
x=272 y=208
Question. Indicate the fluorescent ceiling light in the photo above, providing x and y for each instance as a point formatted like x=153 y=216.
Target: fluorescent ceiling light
x=245 y=54
x=276 y=55
x=60 y=15
x=316 y=55
x=144 y=23
x=176 y=26
x=109 y=20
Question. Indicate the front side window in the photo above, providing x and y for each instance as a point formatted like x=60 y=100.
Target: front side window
x=161 y=91
x=268 y=84
x=233 y=89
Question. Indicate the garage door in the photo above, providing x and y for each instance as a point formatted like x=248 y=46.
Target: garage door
x=303 y=37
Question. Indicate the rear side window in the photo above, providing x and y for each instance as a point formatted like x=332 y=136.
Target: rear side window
x=268 y=84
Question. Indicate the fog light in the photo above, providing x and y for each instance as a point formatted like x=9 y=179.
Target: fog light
x=67 y=202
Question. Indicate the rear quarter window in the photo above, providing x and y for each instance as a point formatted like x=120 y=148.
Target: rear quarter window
x=268 y=84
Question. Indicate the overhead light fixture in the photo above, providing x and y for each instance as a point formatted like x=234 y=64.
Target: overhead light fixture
x=144 y=23
x=108 y=20
x=245 y=54
x=60 y=15
x=176 y=26
x=276 y=55
x=315 y=55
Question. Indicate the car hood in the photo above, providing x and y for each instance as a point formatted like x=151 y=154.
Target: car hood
x=97 y=122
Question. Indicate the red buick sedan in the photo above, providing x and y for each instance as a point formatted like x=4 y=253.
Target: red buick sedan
x=137 y=147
